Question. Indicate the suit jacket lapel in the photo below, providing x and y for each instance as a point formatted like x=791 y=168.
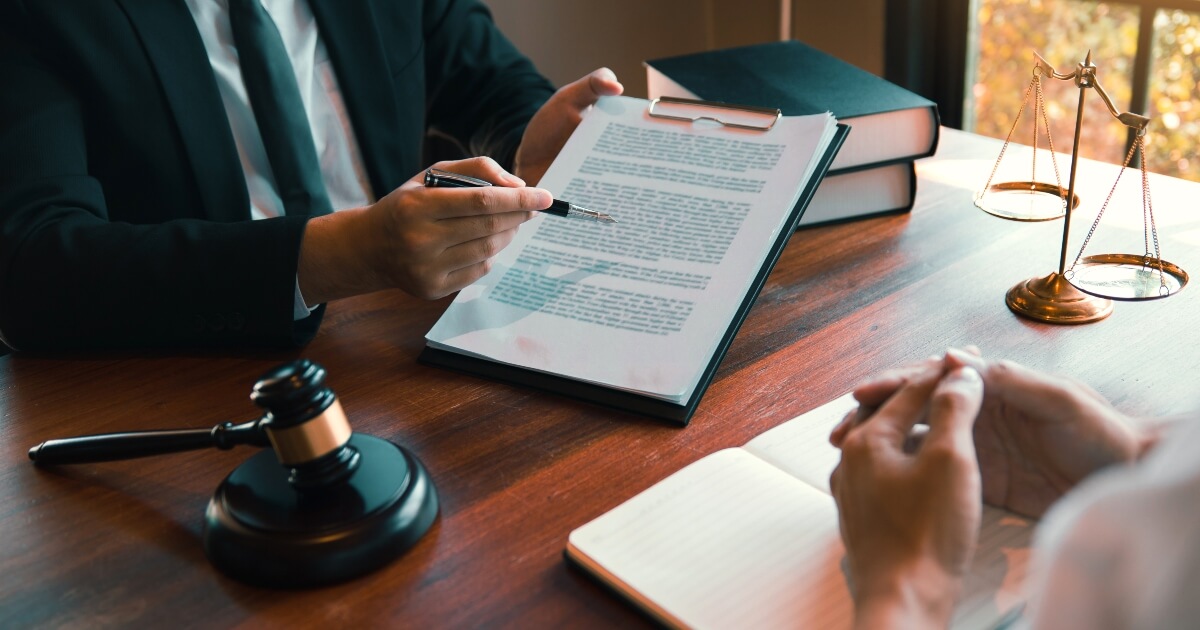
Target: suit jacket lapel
x=349 y=30
x=169 y=34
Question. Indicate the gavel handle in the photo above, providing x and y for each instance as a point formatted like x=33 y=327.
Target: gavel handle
x=113 y=446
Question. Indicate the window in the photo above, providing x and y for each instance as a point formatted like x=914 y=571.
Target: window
x=1146 y=56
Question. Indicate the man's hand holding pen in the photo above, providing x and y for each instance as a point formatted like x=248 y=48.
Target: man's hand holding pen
x=438 y=178
x=431 y=242
x=427 y=241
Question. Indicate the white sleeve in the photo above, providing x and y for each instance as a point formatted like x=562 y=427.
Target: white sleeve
x=300 y=310
x=1123 y=549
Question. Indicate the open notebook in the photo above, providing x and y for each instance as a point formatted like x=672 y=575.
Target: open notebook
x=748 y=538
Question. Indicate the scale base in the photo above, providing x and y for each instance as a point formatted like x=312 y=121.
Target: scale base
x=259 y=529
x=1054 y=300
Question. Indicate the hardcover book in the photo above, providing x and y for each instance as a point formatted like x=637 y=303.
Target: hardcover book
x=888 y=123
x=887 y=189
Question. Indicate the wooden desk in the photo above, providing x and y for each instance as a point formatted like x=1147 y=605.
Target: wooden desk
x=118 y=544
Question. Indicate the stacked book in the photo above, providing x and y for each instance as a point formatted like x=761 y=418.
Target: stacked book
x=889 y=126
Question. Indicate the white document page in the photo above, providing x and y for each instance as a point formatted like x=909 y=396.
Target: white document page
x=639 y=305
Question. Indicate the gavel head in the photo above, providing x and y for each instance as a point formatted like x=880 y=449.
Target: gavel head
x=306 y=425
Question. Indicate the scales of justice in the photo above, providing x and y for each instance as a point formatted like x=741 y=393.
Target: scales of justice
x=1083 y=292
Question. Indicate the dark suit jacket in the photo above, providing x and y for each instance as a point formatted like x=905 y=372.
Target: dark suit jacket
x=124 y=214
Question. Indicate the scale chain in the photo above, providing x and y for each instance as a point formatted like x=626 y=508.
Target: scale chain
x=1103 y=207
x=1049 y=140
x=1039 y=107
x=1008 y=138
x=1148 y=216
x=1149 y=229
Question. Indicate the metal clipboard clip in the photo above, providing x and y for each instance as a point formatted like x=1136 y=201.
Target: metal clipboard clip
x=727 y=115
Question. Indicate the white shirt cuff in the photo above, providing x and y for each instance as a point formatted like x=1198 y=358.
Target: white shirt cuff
x=300 y=310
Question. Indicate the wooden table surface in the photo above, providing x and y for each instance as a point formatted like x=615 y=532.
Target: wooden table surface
x=119 y=544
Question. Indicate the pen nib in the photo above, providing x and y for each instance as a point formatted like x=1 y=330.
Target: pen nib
x=580 y=211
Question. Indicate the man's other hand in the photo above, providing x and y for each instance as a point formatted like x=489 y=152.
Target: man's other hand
x=550 y=127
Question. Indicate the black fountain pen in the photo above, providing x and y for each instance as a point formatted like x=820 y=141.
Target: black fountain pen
x=437 y=178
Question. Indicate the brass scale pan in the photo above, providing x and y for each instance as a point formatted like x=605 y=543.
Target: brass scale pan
x=1125 y=277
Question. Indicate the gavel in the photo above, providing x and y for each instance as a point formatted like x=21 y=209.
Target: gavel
x=324 y=505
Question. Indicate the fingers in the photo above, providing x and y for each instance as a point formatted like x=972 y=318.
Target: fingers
x=879 y=388
x=458 y=231
x=876 y=391
x=835 y=480
x=838 y=435
x=508 y=194
x=1049 y=395
x=457 y=203
x=968 y=356
x=953 y=407
x=439 y=240
x=1025 y=387
x=464 y=276
x=473 y=251
x=895 y=418
x=905 y=396
x=1009 y=379
x=482 y=167
x=463 y=265
x=584 y=92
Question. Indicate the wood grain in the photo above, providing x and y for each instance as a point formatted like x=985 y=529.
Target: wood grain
x=118 y=544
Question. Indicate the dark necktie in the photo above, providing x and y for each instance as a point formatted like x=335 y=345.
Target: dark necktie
x=275 y=97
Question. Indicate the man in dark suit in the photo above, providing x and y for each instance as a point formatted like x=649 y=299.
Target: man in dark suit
x=130 y=183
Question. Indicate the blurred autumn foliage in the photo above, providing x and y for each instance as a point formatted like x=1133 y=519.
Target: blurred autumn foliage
x=1174 y=94
x=1062 y=32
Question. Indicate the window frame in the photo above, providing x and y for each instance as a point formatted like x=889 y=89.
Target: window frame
x=927 y=45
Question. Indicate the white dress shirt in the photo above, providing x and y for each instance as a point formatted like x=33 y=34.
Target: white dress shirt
x=342 y=168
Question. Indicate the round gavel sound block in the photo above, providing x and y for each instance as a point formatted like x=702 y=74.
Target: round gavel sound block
x=324 y=505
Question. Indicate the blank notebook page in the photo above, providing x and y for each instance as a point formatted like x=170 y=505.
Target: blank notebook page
x=801 y=445
x=729 y=541
x=749 y=538
x=994 y=584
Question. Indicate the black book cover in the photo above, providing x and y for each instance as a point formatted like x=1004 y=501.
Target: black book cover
x=801 y=80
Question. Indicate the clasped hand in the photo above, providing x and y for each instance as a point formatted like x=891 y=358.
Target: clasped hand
x=909 y=513
x=909 y=502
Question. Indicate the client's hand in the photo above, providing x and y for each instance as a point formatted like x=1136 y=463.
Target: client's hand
x=910 y=518
x=550 y=127
x=430 y=242
x=1037 y=435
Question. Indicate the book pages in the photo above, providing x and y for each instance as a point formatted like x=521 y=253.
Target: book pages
x=800 y=447
x=727 y=542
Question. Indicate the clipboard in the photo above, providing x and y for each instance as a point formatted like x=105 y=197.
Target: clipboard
x=724 y=114
x=667 y=108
